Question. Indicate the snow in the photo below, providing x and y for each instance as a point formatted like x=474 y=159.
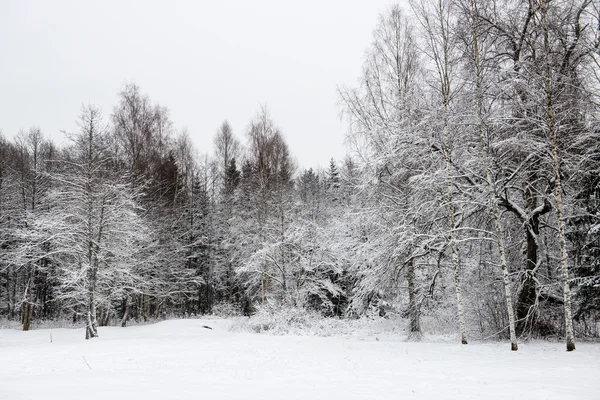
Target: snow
x=181 y=359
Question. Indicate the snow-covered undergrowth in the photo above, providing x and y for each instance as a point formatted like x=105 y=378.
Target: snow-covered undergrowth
x=302 y=322
x=182 y=359
x=69 y=324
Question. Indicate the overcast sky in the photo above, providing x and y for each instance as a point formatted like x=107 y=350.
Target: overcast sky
x=206 y=61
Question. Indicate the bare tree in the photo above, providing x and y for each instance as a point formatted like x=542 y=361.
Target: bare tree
x=436 y=18
x=93 y=224
x=386 y=127
x=551 y=127
x=479 y=65
x=227 y=148
x=272 y=169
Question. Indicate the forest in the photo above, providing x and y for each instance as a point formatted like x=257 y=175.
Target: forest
x=470 y=193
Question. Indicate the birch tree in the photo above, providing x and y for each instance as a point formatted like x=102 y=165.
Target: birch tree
x=552 y=132
x=391 y=140
x=436 y=18
x=93 y=224
x=478 y=68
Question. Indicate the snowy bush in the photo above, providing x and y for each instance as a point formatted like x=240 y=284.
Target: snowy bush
x=302 y=322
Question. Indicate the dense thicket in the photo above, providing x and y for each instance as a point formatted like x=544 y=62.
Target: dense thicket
x=472 y=191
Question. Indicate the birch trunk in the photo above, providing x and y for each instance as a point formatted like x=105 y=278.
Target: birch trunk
x=437 y=30
x=414 y=327
x=557 y=185
x=489 y=182
x=91 y=323
x=451 y=210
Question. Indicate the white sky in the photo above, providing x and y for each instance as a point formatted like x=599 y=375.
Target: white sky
x=206 y=61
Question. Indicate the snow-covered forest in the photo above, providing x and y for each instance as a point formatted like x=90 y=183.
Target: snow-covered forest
x=470 y=193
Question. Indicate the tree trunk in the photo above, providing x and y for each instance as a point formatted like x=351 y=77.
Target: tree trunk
x=557 y=186
x=459 y=302
x=8 y=298
x=527 y=298
x=145 y=307
x=526 y=303
x=27 y=304
x=489 y=181
x=91 y=323
x=505 y=278
x=126 y=311
x=414 y=326
x=104 y=317
x=451 y=211
x=442 y=47
x=13 y=304
x=26 y=314
x=101 y=317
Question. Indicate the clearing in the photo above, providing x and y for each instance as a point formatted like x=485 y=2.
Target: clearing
x=181 y=359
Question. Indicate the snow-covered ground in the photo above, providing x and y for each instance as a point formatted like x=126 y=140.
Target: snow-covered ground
x=182 y=360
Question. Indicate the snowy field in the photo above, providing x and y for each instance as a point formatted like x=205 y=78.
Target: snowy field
x=182 y=360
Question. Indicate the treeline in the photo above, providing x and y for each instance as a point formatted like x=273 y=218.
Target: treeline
x=478 y=123
x=128 y=221
x=472 y=192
